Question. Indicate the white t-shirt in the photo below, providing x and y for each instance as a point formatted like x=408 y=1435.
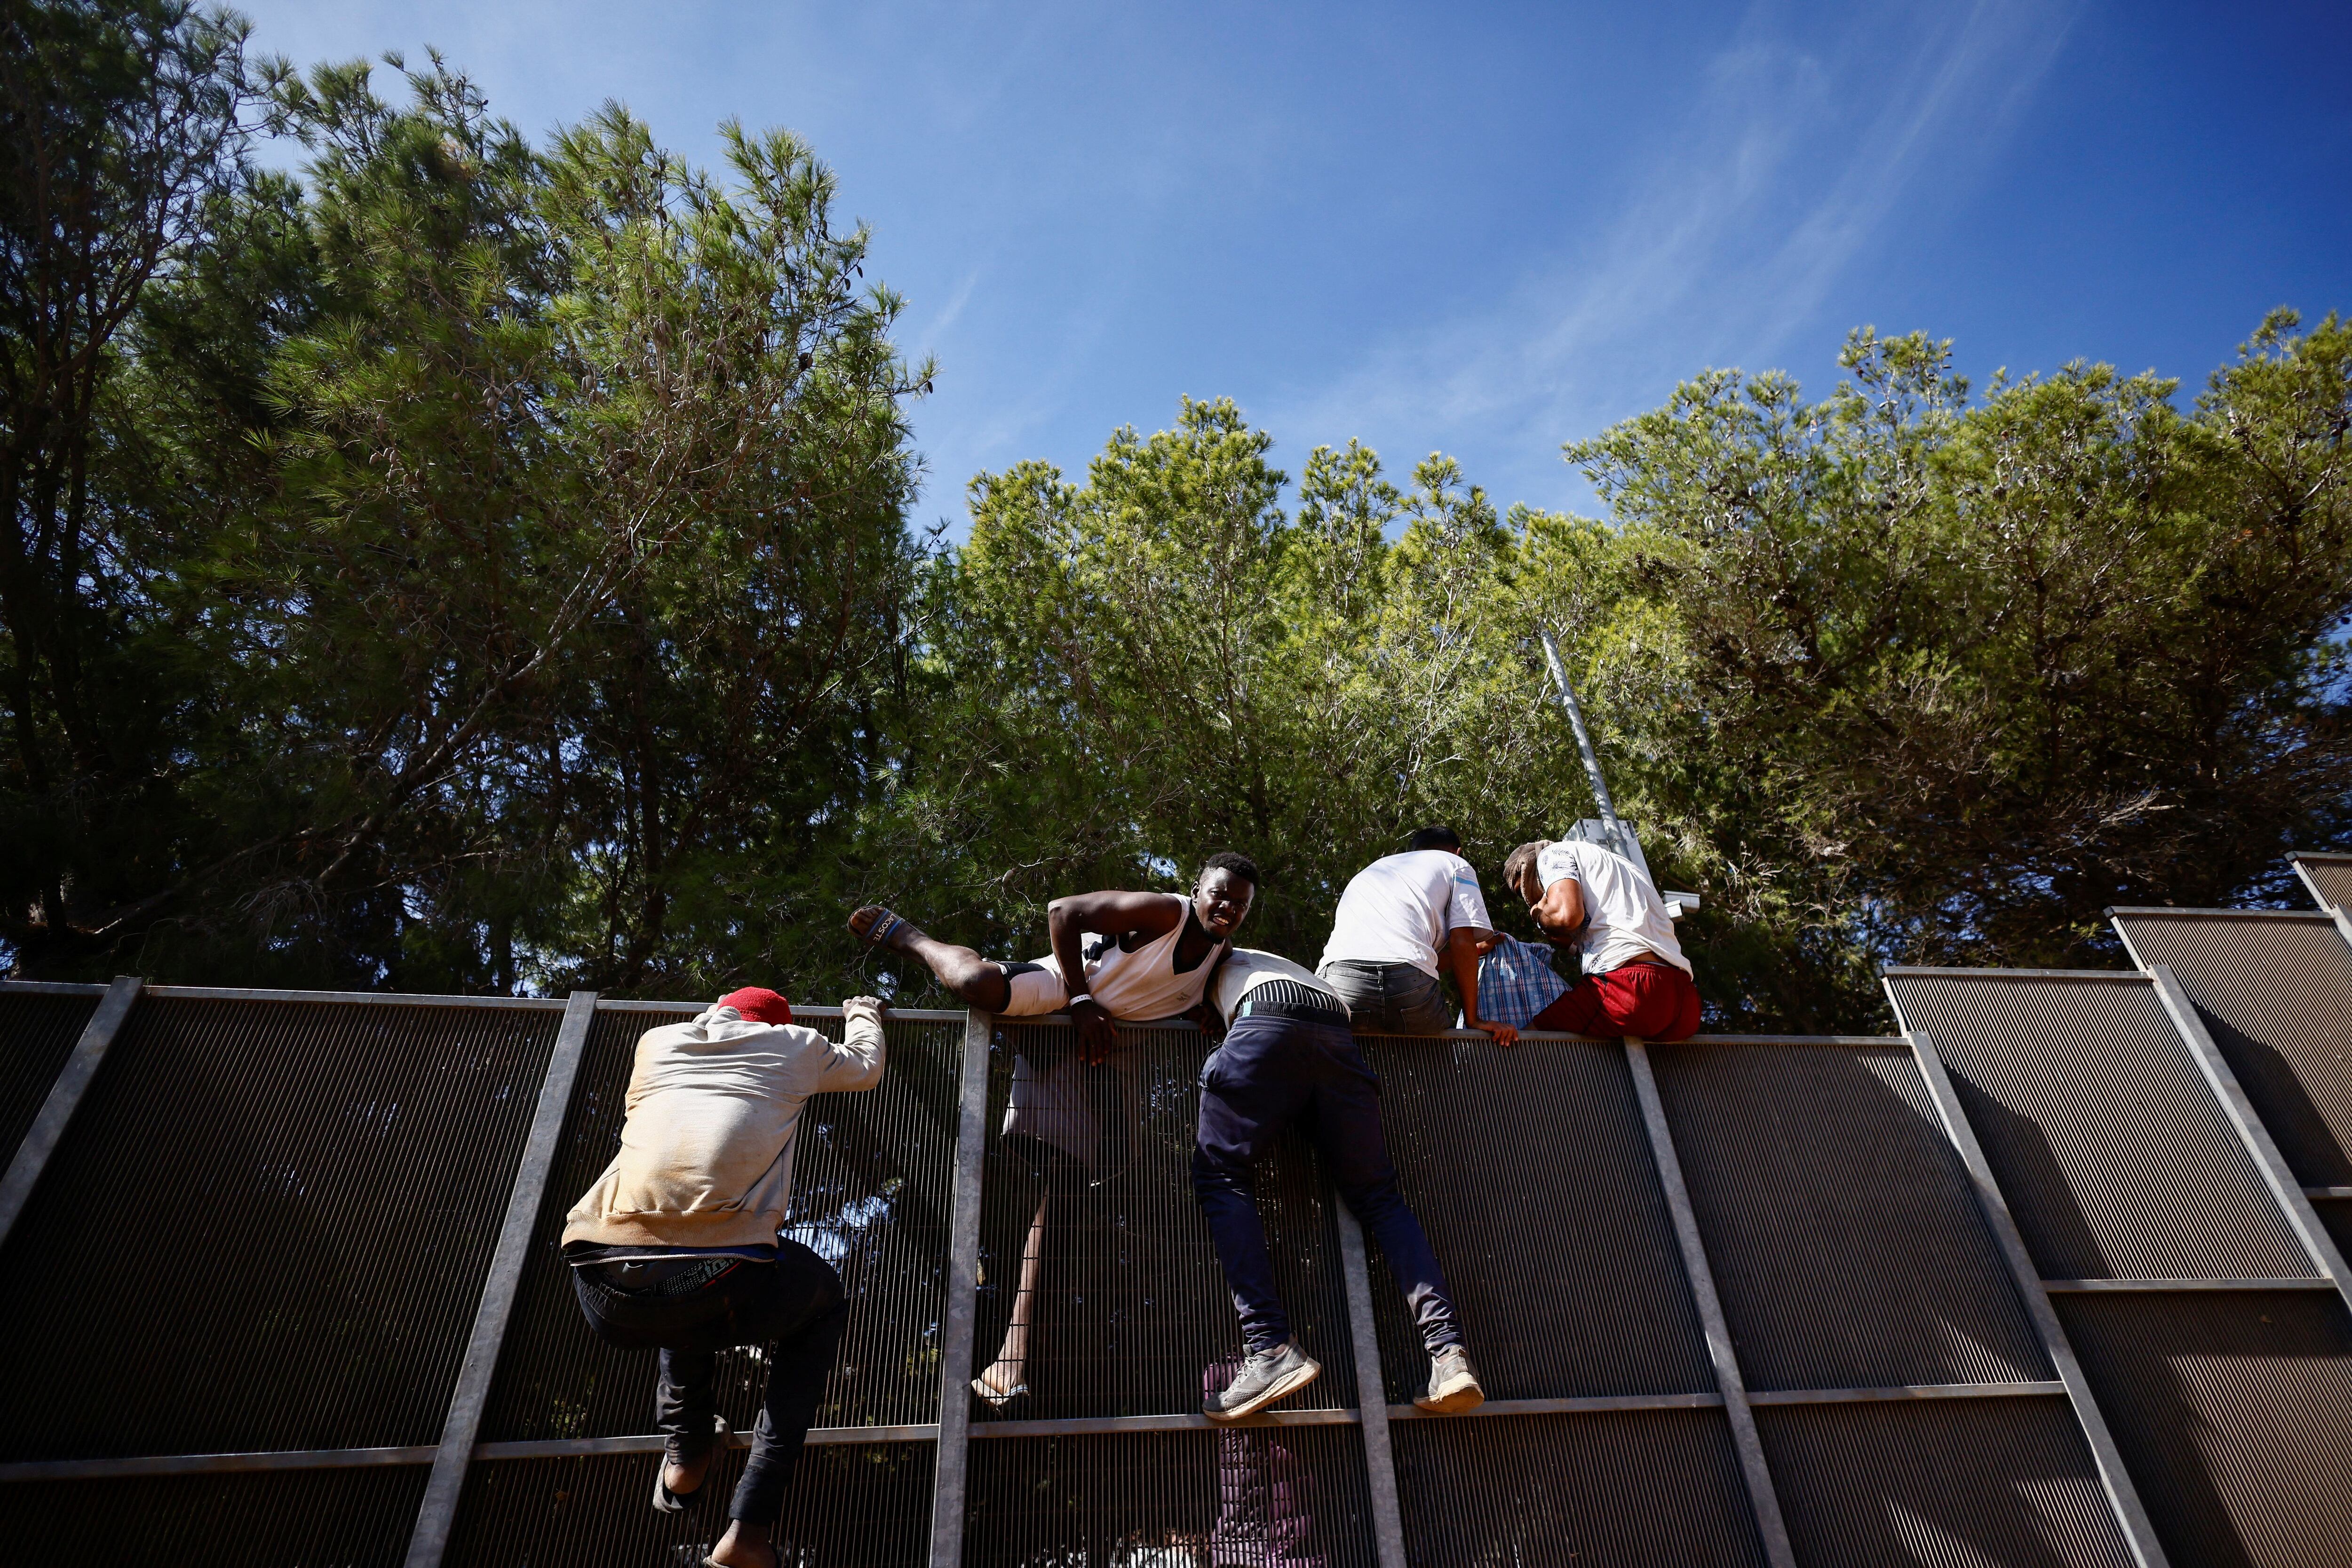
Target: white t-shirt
x=1247 y=968
x=1625 y=918
x=1399 y=909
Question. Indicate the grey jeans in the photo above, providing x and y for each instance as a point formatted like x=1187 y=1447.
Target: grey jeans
x=1389 y=998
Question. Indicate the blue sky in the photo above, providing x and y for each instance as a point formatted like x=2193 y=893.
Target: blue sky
x=1482 y=230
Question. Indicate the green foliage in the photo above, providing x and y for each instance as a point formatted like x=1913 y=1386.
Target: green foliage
x=536 y=554
x=477 y=566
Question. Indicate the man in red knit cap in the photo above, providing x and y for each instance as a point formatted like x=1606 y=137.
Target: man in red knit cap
x=676 y=1247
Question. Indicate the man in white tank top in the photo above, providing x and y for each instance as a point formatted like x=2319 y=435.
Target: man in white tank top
x=1117 y=955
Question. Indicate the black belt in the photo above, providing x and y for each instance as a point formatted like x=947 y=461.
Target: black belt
x=661 y=1276
x=1297 y=1012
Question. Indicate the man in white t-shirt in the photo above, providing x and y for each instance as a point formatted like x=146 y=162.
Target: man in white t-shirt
x=1599 y=903
x=1396 y=916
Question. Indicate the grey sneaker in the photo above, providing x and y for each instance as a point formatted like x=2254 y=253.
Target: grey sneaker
x=1267 y=1375
x=1453 y=1384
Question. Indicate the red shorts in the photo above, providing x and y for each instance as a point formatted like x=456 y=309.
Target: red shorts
x=1651 y=1001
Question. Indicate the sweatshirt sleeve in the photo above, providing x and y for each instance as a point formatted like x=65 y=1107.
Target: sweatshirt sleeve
x=856 y=1061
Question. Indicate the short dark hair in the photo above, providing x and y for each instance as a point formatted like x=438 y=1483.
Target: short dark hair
x=1233 y=860
x=1435 y=837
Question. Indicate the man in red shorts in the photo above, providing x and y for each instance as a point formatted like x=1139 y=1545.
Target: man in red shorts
x=1636 y=980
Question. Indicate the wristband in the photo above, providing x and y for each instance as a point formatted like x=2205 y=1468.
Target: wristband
x=1081 y=997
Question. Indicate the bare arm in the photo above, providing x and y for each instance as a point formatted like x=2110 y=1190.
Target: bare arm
x=1111 y=913
x=1560 y=911
x=1108 y=913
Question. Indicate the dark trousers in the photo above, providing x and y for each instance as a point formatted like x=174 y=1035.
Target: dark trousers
x=794 y=1306
x=1270 y=1072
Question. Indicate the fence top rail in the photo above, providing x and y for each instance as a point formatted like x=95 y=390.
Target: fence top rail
x=2322 y=857
x=2129 y=977
x=2174 y=913
x=919 y=1015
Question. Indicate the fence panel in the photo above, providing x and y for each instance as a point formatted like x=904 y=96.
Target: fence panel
x=1648 y=1487
x=1529 y=1170
x=1943 y=1483
x=1845 y=1241
x=2234 y=1409
x=2109 y=1145
x=265 y=1229
x=2170 y=1263
x=38 y=1031
x=287 y=1518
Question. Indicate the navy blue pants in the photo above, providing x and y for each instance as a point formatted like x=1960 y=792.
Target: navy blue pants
x=1272 y=1073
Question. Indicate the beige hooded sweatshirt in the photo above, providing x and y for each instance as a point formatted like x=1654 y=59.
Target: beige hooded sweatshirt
x=706 y=1154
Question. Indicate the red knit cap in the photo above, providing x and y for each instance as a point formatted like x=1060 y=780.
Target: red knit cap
x=759 y=1004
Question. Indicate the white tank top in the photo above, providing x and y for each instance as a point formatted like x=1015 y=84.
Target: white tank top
x=1143 y=984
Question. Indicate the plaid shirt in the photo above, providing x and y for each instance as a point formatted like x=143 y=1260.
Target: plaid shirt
x=1516 y=981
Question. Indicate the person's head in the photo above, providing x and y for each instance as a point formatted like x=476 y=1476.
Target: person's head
x=1227 y=888
x=1435 y=837
x=756 y=1004
x=1520 y=871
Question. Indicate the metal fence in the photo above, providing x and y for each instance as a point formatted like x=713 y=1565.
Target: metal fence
x=2049 y=1278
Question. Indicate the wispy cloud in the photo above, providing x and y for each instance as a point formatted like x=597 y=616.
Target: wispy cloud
x=1726 y=244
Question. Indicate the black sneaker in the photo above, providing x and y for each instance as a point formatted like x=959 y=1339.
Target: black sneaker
x=1267 y=1375
x=1453 y=1384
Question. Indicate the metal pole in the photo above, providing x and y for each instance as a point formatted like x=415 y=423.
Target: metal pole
x=48 y=1128
x=1372 y=1394
x=1770 y=1528
x=437 y=1516
x=1583 y=743
x=952 y=1462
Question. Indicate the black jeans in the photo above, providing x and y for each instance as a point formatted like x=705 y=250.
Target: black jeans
x=793 y=1305
x=1271 y=1073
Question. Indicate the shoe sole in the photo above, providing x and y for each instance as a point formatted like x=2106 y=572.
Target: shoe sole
x=1282 y=1387
x=1456 y=1402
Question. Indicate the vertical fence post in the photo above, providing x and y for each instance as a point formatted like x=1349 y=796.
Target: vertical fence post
x=951 y=1463
x=2139 y=1533
x=73 y=1081
x=437 y=1514
x=1770 y=1528
x=1372 y=1393
x=2301 y=1218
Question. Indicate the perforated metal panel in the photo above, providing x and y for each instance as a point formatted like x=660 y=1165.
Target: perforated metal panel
x=1561 y=1491
x=2235 y=1413
x=849 y=1506
x=37 y=1031
x=267 y=1228
x=1943 y=1483
x=1845 y=1241
x=1530 y=1171
x=2336 y=1213
x=870 y=1178
x=1131 y=1310
x=2275 y=993
x=2328 y=877
x=301 y=1519
x=2108 y=1141
x=1256 y=1498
